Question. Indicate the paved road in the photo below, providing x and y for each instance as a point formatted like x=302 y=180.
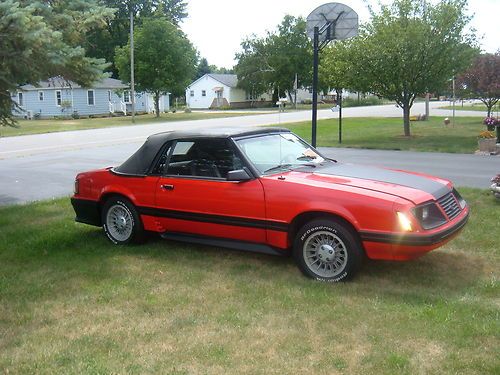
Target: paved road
x=87 y=139
x=47 y=176
x=43 y=166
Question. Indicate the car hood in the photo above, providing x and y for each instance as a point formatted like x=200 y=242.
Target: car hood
x=411 y=186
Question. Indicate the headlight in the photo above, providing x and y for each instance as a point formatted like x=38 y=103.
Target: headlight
x=404 y=221
x=429 y=215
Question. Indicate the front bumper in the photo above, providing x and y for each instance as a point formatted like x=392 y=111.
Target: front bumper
x=87 y=211
x=404 y=246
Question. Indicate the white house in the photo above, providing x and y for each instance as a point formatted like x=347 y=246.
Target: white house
x=220 y=90
x=60 y=97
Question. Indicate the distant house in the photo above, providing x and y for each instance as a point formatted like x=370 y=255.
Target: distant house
x=220 y=90
x=59 y=97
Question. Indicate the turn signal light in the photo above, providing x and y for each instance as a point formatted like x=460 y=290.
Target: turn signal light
x=404 y=221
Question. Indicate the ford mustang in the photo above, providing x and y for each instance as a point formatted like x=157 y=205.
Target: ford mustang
x=268 y=191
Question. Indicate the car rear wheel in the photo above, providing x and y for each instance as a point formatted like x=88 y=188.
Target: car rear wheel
x=121 y=223
x=326 y=250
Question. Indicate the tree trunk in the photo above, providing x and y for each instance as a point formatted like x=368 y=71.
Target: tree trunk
x=406 y=118
x=489 y=109
x=157 y=103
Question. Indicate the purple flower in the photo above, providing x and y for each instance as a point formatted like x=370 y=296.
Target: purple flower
x=491 y=121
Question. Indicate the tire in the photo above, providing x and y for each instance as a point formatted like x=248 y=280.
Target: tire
x=121 y=222
x=326 y=250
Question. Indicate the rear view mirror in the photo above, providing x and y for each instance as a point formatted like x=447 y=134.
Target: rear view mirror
x=238 y=175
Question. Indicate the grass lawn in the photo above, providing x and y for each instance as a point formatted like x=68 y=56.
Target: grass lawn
x=473 y=107
x=387 y=134
x=49 y=126
x=72 y=303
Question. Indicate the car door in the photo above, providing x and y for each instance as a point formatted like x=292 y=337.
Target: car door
x=193 y=195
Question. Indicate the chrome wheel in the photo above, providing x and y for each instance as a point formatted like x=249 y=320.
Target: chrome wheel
x=119 y=222
x=325 y=254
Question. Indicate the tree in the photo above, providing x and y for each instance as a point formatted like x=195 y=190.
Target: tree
x=162 y=64
x=271 y=62
x=482 y=79
x=39 y=40
x=410 y=48
x=335 y=70
x=203 y=68
x=104 y=41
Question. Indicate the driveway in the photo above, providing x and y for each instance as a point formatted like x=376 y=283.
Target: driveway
x=51 y=175
x=43 y=166
x=88 y=139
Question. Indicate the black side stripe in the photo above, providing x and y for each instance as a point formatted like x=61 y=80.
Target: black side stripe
x=214 y=219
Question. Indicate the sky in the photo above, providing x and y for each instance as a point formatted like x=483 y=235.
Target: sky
x=217 y=27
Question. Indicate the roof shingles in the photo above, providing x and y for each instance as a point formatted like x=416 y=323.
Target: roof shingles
x=61 y=83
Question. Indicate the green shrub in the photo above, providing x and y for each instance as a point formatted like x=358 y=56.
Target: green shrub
x=369 y=100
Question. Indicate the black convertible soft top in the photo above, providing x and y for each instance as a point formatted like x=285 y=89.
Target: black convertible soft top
x=140 y=161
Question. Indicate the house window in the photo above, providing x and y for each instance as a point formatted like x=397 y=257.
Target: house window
x=126 y=96
x=191 y=93
x=203 y=93
x=40 y=96
x=90 y=97
x=58 y=98
x=20 y=99
x=109 y=95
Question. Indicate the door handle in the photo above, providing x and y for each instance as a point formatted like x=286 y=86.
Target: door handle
x=167 y=187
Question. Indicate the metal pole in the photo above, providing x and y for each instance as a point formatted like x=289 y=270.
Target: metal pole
x=315 y=85
x=453 y=124
x=427 y=99
x=339 y=103
x=132 y=84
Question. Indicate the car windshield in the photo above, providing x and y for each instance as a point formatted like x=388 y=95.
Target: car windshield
x=273 y=153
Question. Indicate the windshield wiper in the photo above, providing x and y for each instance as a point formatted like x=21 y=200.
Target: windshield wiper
x=280 y=166
x=306 y=165
x=306 y=157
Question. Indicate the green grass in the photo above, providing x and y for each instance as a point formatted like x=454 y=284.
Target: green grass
x=387 y=134
x=58 y=125
x=72 y=303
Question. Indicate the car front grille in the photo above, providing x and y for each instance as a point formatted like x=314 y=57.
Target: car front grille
x=450 y=206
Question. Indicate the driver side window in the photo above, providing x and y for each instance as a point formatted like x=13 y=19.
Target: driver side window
x=209 y=158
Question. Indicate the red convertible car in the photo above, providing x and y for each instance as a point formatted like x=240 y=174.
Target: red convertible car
x=269 y=191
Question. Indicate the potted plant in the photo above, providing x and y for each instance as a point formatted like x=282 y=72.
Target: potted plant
x=490 y=123
x=487 y=142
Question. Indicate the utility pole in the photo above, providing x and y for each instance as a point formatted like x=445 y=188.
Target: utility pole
x=132 y=84
x=296 y=86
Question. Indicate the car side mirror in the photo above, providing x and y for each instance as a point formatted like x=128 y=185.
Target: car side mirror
x=238 y=175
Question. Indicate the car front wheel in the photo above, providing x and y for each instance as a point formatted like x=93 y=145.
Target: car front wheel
x=121 y=223
x=326 y=250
